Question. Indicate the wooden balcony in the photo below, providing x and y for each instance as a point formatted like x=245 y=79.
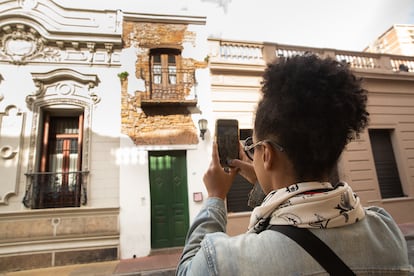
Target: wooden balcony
x=170 y=88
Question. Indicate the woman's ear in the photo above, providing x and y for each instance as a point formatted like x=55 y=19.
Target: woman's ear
x=269 y=157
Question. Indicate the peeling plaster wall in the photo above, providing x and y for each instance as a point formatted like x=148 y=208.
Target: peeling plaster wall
x=152 y=128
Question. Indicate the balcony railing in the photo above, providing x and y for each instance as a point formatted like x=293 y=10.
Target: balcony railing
x=56 y=190
x=241 y=52
x=170 y=86
x=251 y=54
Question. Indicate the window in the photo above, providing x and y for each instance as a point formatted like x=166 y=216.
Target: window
x=164 y=68
x=58 y=183
x=239 y=193
x=385 y=164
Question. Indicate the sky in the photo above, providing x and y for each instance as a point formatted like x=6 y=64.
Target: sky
x=338 y=24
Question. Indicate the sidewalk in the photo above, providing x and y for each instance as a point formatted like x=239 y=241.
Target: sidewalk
x=155 y=265
x=160 y=264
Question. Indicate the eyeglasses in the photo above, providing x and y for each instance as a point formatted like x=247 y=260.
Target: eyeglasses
x=249 y=146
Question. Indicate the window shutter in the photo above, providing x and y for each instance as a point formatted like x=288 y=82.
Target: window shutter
x=238 y=195
x=385 y=164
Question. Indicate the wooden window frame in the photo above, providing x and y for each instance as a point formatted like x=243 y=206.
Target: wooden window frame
x=164 y=73
x=45 y=175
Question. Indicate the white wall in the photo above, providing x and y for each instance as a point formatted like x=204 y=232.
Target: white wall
x=105 y=128
x=135 y=197
x=135 y=201
x=16 y=84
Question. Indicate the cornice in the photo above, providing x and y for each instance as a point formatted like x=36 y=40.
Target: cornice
x=21 y=43
x=61 y=212
x=55 y=22
x=384 y=75
x=165 y=18
x=63 y=74
x=237 y=68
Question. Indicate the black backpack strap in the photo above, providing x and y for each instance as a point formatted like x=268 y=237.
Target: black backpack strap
x=316 y=248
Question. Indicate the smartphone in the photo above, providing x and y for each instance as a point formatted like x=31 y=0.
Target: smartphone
x=227 y=139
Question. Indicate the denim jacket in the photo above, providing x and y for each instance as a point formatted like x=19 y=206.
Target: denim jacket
x=372 y=246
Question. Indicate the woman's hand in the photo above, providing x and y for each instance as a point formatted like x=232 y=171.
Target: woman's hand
x=244 y=166
x=217 y=181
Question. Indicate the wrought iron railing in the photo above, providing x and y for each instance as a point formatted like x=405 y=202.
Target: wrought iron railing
x=169 y=85
x=55 y=190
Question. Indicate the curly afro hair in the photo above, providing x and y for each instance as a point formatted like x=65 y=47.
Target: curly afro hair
x=313 y=107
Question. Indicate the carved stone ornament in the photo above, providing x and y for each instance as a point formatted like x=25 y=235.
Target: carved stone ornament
x=63 y=84
x=1 y=94
x=11 y=128
x=19 y=45
x=28 y=4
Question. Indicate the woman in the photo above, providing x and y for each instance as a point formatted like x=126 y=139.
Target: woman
x=310 y=109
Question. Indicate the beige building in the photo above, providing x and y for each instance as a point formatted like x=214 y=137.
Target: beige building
x=101 y=152
x=378 y=165
x=397 y=40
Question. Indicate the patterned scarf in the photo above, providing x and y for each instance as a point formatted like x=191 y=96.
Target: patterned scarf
x=308 y=205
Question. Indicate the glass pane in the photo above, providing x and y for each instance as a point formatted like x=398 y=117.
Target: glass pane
x=156 y=70
x=157 y=79
x=55 y=165
x=172 y=74
x=64 y=125
x=171 y=59
x=73 y=164
x=156 y=59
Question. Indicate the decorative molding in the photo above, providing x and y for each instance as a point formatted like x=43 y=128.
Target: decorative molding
x=7 y=152
x=1 y=94
x=11 y=139
x=56 y=22
x=28 y=4
x=64 y=83
x=57 y=89
x=165 y=18
x=20 y=44
x=44 y=31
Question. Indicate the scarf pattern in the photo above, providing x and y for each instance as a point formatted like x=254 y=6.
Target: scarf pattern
x=308 y=205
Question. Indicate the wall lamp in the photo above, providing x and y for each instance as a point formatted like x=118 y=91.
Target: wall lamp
x=202 y=124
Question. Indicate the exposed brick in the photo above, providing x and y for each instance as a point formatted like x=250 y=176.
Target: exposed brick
x=163 y=125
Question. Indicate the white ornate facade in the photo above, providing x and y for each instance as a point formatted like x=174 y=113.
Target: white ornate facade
x=55 y=60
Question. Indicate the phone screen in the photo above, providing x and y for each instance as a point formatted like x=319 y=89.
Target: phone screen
x=227 y=138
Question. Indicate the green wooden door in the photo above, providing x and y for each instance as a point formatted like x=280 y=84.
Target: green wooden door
x=169 y=198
